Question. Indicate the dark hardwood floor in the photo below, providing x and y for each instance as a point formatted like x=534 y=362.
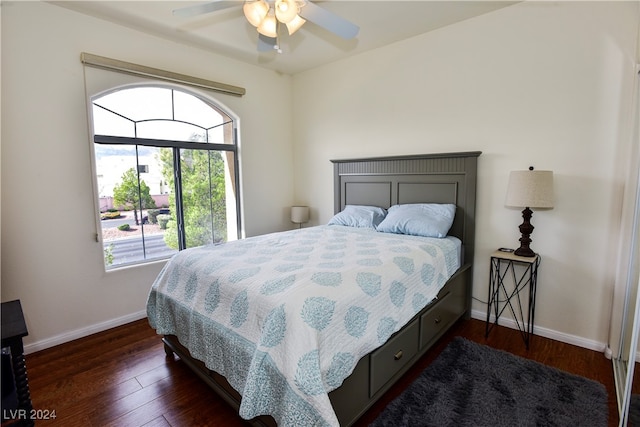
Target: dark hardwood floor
x=122 y=377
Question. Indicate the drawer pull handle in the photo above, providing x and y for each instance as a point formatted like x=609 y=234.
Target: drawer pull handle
x=398 y=355
x=437 y=320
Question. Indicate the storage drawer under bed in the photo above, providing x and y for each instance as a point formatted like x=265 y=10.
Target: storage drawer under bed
x=436 y=320
x=443 y=312
x=392 y=356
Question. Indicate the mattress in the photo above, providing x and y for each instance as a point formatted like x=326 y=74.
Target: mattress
x=285 y=317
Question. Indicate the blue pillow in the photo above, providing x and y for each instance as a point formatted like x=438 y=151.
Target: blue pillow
x=359 y=216
x=422 y=219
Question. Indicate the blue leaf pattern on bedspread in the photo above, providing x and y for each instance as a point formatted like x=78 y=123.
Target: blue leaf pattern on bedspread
x=419 y=301
x=212 y=297
x=191 y=287
x=370 y=283
x=213 y=266
x=317 y=312
x=368 y=252
x=285 y=268
x=334 y=247
x=340 y=368
x=404 y=263
x=278 y=285
x=308 y=377
x=239 y=309
x=430 y=250
x=333 y=255
x=369 y=262
x=274 y=327
x=173 y=280
x=355 y=321
x=397 y=293
x=327 y=278
x=386 y=328
x=427 y=274
x=243 y=273
x=285 y=317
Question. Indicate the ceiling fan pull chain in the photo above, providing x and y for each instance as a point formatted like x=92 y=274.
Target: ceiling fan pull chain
x=277 y=45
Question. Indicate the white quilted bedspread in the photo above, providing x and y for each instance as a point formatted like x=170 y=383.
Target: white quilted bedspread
x=285 y=317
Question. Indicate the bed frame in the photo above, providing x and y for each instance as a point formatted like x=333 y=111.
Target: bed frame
x=386 y=181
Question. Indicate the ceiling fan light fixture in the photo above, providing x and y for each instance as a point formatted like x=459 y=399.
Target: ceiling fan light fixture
x=295 y=24
x=255 y=11
x=286 y=10
x=267 y=16
x=269 y=26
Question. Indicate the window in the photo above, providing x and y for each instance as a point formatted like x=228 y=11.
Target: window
x=166 y=166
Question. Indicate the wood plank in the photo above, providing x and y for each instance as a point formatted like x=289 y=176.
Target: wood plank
x=69 y=364
x=110 y=411
x=158 y=422
x=156 y=374
x=106 y=375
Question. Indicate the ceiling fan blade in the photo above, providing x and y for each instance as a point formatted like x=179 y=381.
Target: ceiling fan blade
x=266 y=44
x=329 y=20
x=199 y=9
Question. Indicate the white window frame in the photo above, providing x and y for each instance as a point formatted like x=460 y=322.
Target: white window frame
x=103 y=82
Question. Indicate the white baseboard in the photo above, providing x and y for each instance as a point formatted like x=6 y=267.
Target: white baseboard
x=547 y=333
x=83 y=332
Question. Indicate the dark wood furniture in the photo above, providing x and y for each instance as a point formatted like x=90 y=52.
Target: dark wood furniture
x=14 y=329
x=436 y=178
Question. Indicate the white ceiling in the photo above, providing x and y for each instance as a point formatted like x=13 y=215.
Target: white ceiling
x=227 y=31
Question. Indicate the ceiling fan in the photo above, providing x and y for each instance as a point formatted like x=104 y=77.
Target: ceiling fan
x=268 y=15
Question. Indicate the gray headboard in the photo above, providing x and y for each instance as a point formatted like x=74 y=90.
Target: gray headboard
x=428 y=178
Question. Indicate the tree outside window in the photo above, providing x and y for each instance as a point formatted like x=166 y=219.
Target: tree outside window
x=133 y=193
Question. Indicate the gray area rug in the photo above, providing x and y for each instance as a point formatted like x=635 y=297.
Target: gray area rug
x=470 y=384
x=634 y=411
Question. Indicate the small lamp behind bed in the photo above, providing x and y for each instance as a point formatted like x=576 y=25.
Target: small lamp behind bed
x=299 y=215
x=529 y=189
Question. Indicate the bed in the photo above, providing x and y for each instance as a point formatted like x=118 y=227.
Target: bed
x=301 y=373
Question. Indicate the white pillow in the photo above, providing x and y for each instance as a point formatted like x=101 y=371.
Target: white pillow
x=359 y=216
x=421 y=219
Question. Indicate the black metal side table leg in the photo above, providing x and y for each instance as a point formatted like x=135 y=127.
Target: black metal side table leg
x=511 y=299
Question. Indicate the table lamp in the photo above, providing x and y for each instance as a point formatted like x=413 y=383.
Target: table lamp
x=299 y=215
x=529 y=189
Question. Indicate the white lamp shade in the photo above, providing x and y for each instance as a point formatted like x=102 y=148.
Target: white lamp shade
x=269 y=26
x=255 y=11
x=530 y=188
x=286 y=10
x=295 y=24
x=299 y=214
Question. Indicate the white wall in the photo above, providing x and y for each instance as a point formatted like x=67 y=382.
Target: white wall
x=50 y=258
x=547 y=84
